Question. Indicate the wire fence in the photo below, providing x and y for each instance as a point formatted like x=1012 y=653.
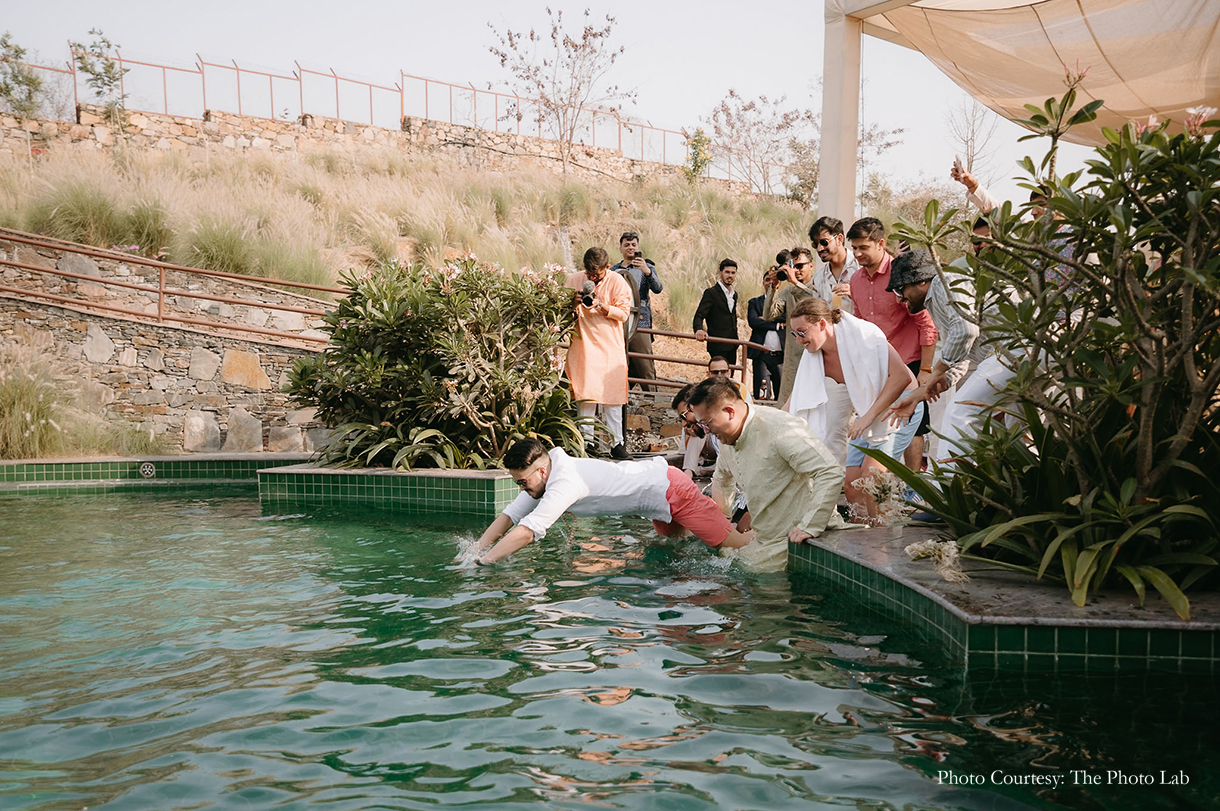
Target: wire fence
x=183 y=91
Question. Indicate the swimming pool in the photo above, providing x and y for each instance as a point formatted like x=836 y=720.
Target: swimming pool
x=174 y=652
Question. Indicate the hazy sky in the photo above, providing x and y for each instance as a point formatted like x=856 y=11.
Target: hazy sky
x=681 y=57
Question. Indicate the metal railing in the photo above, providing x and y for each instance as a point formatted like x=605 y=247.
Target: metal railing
x=735 y=368
x=162 y=290
x=247 y=91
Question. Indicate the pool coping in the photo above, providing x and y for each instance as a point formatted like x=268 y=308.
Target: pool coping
x=481 y=493
x=72 y=474
x=1002 y=620
x=282 y=479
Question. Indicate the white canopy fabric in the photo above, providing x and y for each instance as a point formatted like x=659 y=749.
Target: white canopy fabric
x=1144 y=57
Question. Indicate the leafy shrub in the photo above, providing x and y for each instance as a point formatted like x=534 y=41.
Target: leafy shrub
x=1102 y=466
x=441 y=368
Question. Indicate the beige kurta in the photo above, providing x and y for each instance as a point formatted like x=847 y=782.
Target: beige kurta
x=790 y=479
x=597 y=358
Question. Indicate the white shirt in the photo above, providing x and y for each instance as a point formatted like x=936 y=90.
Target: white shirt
x=594 y=487
x=824 y=280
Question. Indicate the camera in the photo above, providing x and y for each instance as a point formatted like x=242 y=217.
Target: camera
x=586 y=294
x=781 y=275
x=586 y=300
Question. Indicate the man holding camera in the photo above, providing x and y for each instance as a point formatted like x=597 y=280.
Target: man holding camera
x=597 y=356
x=642 y=274
x=791 y=283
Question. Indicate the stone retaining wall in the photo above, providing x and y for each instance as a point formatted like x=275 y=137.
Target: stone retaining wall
x=197 y=392
x=227 y=133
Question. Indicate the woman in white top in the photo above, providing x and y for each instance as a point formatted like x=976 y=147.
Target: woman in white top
x=855 y=353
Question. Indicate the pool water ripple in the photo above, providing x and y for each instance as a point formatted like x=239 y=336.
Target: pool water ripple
x=175 y=652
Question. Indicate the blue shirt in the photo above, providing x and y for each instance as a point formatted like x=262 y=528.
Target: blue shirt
x=646 y=285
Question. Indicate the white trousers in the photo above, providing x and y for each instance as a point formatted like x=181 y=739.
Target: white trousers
x=964 y=414
x=611 y=415
x=838 y=419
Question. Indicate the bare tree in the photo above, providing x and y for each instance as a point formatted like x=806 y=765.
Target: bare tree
x=565 y=74
x=754 y=138
x=972 y=128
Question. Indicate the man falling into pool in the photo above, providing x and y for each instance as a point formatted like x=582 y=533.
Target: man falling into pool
x=553 y=483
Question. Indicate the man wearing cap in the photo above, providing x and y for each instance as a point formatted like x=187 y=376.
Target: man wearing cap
x=913 y=278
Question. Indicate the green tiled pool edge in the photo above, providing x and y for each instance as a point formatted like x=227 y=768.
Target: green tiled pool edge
x=1043 y=643
x=456 y=492
x=52 y=476
x=283 y=478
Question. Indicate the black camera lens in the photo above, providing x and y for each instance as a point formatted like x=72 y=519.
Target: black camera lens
x=781 y=275
x=587 y=301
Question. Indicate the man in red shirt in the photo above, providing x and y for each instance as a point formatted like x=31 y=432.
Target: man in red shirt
x=913 y=336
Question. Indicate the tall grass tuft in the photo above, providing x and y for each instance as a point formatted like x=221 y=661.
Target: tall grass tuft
x=216 y=243
x=30 y=402
x=79 y=210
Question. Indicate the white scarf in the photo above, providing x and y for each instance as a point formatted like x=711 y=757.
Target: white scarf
x=864 y=356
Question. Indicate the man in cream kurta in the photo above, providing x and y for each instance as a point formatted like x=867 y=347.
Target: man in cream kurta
x=790 y=479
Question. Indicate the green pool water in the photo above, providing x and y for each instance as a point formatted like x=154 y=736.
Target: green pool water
x=183 y=652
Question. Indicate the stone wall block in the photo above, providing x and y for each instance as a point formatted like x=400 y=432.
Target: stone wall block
x=98 y=347
x=79 y=263
x=29 y=256
x=317 y=438
x=203 y=364
x=301 y=416
x=286 y=438
x=128 y=356
x=155 y=360
x=91 y=291
x=200 y=432
x=245 y=433
x=33 y=337
x=287 y=321
x=242 y=369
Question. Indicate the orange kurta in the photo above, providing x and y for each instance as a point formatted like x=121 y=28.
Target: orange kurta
x=597 y=358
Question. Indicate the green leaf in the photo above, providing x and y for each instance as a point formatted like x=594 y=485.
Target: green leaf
x=1168 y=589
x=1137 y=582
x=1002 y=529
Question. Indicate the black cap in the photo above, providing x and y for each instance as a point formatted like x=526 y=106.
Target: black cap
x=911 y=267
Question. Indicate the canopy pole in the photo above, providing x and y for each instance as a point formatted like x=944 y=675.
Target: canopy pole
x=840 y=115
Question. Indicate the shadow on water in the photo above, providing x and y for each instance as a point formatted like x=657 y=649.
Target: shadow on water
x=197 y=652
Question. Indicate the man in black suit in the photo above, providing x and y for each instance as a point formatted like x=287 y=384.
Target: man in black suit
x=718 y=309
x=770 y=335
